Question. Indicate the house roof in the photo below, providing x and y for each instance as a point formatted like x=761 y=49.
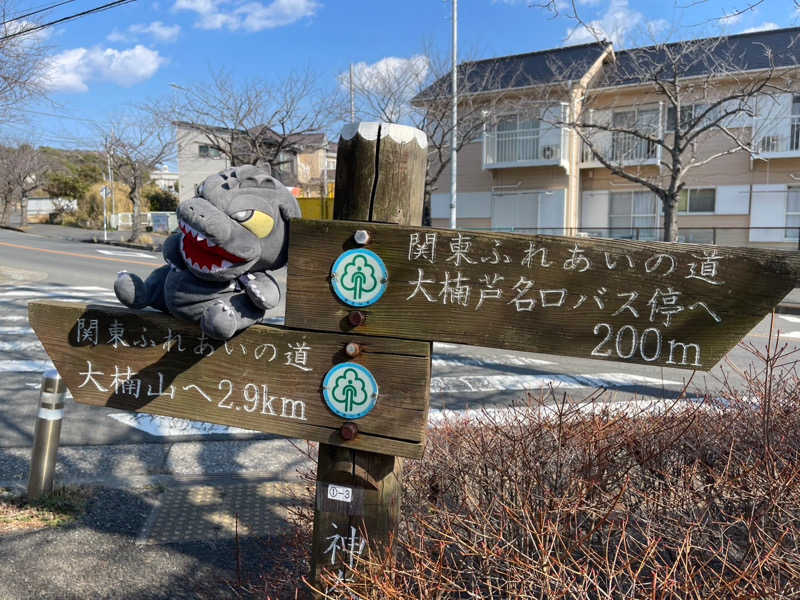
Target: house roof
x=707 y=56
x=735 y=53
x=519 y=70
x=297 y=140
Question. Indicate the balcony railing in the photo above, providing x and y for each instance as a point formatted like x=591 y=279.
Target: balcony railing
x=524 y=147
x=775 y=137
x=720 y=236
x=620 y=148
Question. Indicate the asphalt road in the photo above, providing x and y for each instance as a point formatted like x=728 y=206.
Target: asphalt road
x=463 y=377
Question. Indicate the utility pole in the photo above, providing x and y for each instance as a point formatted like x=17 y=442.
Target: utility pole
x=454 y=134
x=352 y=97
x=110 y=178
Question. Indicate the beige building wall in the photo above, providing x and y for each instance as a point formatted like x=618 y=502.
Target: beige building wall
x=193 y=168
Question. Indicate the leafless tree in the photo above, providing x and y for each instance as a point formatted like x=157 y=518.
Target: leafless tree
x=22 y=62
x=697 y=106
x=22 y=168
x=138 y=143
x=255 y=121
x=418 y=92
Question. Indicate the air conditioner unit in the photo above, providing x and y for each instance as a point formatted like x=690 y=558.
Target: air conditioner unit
x=769 y=143
x=548 y=152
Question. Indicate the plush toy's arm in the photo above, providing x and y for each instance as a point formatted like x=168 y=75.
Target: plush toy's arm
x=262 y=289
x=171 y=251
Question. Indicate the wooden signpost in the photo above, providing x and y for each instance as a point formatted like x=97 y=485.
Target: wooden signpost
x=265 y=379
x=366 y=296
x=675 y=305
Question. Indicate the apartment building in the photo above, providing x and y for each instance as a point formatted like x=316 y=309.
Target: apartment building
x=303 y=167
x=559 y=131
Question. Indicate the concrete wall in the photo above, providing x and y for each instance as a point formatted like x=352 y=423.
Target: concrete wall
x=193 y=168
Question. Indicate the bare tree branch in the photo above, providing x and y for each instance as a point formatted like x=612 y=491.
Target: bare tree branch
x=689 y=95
x=138 y=143
x=255 y=121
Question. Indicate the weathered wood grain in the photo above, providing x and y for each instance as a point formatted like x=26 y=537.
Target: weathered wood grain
x=228 y=383
x=676 y=305
x=380 y=173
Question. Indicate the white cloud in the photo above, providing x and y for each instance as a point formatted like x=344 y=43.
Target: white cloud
x=370 y=76
x=72 y=70
x=247 y=16
x=766 y=26
x=156 y=29
x=161 y=32
x=615 y=24
x=731 y=19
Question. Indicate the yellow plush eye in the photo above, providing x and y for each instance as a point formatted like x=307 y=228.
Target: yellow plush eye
x=259 y=223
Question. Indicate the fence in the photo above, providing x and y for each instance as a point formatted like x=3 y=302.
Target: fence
x=158 y=221
x=720 y=236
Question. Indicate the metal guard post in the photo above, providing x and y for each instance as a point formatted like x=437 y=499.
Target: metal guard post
x=46 y=434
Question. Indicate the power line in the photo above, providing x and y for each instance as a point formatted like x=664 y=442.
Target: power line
x=84 y=13
x=37 y=11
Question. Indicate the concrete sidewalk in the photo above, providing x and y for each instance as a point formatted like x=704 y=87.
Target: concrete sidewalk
x=200 y=520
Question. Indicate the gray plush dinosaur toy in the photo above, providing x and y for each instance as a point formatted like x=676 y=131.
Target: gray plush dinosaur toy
x=232 y=234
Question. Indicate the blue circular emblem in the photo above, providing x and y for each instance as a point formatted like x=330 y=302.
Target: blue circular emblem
x=350 y=390
x=359 y=277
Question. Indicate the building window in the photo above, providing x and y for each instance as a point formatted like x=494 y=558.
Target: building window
x=206 y=151
x=792 y=213
x=689 y=113
x=699 y=200
x=627 y=146
x=633 y=215
x=330 y=164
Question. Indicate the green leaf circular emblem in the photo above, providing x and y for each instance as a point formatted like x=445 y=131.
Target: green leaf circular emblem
x=359 y=277
x=350 y=390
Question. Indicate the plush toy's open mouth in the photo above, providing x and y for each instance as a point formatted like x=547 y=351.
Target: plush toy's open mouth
x=203 y=254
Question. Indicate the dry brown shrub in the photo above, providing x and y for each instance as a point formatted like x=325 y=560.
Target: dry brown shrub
x=568 y=499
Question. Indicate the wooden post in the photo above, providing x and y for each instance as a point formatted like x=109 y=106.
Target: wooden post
x=380 y=175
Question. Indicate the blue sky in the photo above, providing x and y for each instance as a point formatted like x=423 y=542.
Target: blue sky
x=101 y=63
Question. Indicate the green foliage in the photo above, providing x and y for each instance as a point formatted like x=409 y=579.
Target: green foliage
x=160 y=200
x=75 y=182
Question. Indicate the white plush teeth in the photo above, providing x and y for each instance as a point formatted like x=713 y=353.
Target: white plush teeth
x=199 y=237
x=226 y=264
x=210 y=243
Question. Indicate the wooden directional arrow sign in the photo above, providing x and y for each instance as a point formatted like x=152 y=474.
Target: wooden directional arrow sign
x=675 y=305
x=291 y=383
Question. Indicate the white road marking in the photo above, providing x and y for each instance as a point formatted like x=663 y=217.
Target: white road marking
x=790 y=334
x=491 y=360
x=623 y=379
x=24 y=366
x=16 y=330
x=496 y=383
x=13 y=318
x=172 y=426
x=129 y=254
x=20 y=346
x=510 y=415
x=790 y=318
x=55 y=293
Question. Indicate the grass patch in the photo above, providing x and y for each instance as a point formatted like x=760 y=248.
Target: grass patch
x=60 y=508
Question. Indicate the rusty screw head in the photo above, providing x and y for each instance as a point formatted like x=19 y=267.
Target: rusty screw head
x=361 y=237
x=356 y=318
x=348 y=431
x=352 y=349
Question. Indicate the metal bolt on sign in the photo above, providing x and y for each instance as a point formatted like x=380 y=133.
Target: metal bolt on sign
x=361 y=237
x=46 y=434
